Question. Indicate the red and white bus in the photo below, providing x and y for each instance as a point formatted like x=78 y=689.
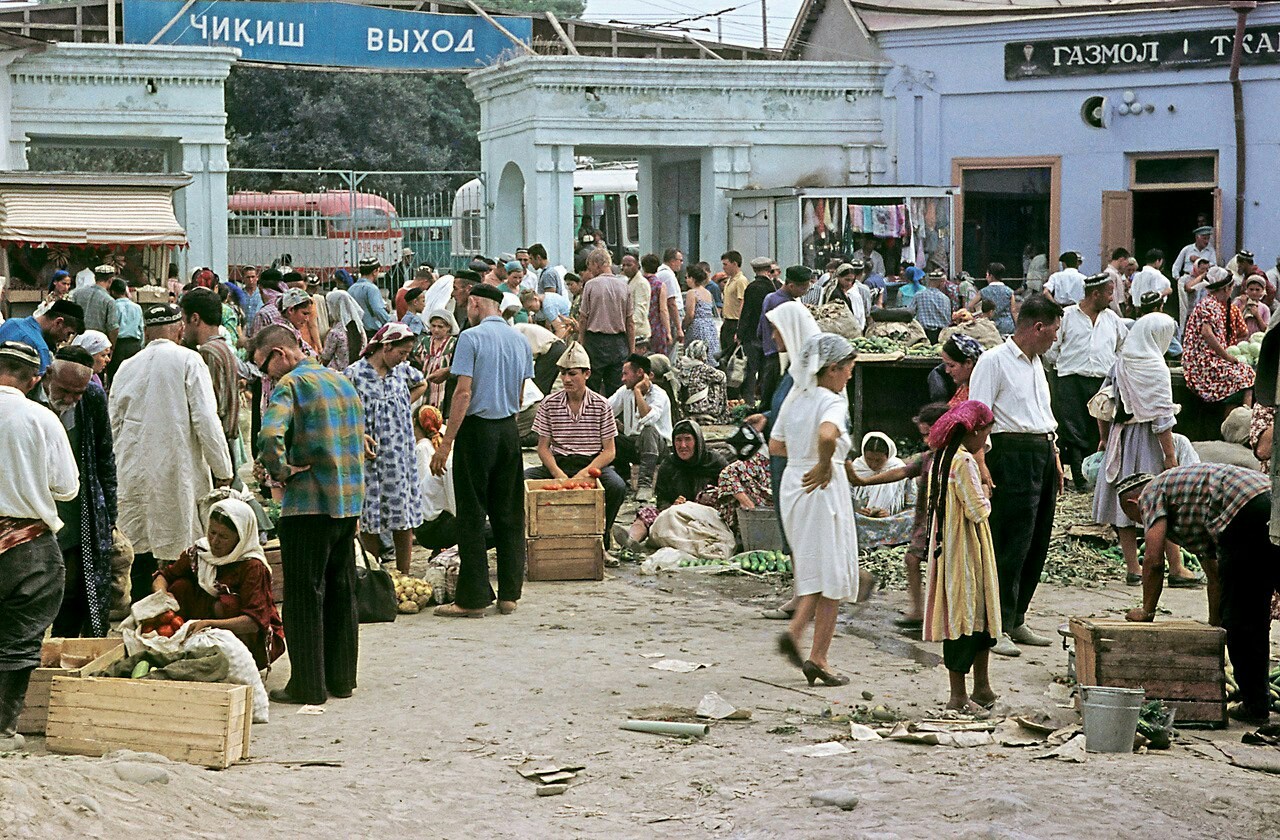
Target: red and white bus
x=314 y=232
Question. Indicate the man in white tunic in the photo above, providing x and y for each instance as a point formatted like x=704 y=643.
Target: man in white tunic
x=164 y=419
x=1066 y=286
x=1199 y=248
x=1087 y=344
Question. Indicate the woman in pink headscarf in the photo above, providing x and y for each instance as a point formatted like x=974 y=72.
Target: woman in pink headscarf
x=962 y=601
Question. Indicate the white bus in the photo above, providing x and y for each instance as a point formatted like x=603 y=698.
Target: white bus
x=604 y=199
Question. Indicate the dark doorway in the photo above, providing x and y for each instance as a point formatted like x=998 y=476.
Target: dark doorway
x=1164 y=219
x=1006 y=216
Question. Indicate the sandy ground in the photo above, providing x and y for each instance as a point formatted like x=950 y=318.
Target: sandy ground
x=446 y=709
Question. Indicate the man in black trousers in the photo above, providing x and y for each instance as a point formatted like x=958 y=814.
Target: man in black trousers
x=314 y=443
x=492 y=362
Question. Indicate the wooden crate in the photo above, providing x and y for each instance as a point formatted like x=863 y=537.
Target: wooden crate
x=272 y=552
x=200 y=723
x=565 y=558
x=1180 y=662
x=562 y=513
x=102 y=652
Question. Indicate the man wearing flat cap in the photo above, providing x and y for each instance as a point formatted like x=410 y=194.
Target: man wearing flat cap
x=168 y=438
x=1087 y=345
x=98 y=304
x=796 y=284
x=373 y=309
x=1199 y=248
x=46 y=332
x=491 y=362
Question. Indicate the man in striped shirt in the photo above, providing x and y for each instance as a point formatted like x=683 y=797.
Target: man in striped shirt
x=576 y=430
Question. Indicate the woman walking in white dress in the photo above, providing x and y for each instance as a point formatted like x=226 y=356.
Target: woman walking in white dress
x=817 y=509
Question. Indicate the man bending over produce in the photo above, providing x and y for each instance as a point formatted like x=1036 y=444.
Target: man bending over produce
x=1220 y=513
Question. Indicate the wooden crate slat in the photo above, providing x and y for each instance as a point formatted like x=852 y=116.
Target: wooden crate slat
x=100 y=747
x=36 y=707
x=562 y=512
x=128 y=719
x=565 y=558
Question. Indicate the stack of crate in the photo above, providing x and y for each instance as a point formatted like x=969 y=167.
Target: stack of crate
x=564 y=531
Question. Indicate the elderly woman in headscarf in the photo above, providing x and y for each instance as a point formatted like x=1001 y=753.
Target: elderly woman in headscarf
x=437 y=349
x=701 y=385
x=223 y=582
x=949 y=381
x=884 y=512
x=388 y=386
x=1139 y=439
x=99 y=347
x=792 y=324
x=1213 y=326
x=691 y=473
x=817 y=507
x=346 y=335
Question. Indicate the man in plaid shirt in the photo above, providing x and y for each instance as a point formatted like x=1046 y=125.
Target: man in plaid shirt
x=313 y=442
x=932 y=307
x=1220 y=513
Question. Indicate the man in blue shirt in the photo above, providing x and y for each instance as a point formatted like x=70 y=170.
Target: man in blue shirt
x=492 y=362
x=129 y=317
x=373 y=309
x=46 y=332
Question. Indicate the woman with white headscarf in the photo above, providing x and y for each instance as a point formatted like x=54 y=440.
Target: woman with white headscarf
x=223 y=582
x=817 y=509
x=885 y=513
x=1140 y=437
x=346 y=337
x=97 y=345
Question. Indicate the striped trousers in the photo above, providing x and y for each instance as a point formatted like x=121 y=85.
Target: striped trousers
x=318 y=557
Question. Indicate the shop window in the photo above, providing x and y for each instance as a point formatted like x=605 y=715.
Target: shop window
x=1007 y=218
x=1174 y=170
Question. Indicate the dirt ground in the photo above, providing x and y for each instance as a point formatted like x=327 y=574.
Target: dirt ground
x=446 y=710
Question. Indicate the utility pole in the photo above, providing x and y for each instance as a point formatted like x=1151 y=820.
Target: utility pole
x=764 y=24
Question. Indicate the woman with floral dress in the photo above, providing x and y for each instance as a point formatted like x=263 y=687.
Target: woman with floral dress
x=744 y=485
x=699 y=319
x=1210 y=371
x=702 y=387
x=659 y=317
x=388 y=385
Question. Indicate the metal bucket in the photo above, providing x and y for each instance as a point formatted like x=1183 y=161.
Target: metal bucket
x=759 y=528
x=1110 y=717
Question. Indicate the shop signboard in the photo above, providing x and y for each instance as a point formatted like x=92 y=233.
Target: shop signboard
x=326 y=34
x=1138 y=53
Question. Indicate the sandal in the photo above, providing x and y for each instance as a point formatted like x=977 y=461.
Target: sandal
x=1186 y=582
x=1132 y=580
x=777 y=614
x=455 y=611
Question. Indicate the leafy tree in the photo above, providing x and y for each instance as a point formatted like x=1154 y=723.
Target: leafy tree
x=561 y=8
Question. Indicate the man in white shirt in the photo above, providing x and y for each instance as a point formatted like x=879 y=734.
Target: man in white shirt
x=1199 y=248
x=1022 y=461
x=1066 y=287
x=871 y=257
x=672 y=262
x=1087 y=345
x=168 y=438
x=643 y=413
x=1150 y=278
x=638 y=284
x=39 y=471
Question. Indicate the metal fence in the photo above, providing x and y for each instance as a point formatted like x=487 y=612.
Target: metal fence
x=318 y=220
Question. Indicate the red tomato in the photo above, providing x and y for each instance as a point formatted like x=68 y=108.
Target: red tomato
x=177 y=622
x=552 y=487
x=165 y=617
x=165 y=630
x=594 y=472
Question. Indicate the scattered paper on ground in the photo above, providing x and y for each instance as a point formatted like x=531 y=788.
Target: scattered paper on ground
x=863 y=733
x=679 y=666
x=819 y=750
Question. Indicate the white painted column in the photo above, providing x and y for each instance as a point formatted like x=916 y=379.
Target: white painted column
x=549 y=202
x=201 y=208
x=647 y=205
x=723 y=168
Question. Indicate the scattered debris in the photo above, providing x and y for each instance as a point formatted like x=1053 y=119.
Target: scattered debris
x=1073 y=751
x=845 y=800
x=311 y=710
x=679 y=666
x=940 y=736
x=820 y=750
x=1011 y=733
x=551 y=790
x=666 y=727
x=859 y=732
x=715 y=707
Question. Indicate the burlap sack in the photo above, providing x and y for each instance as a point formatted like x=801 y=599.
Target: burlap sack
x=836 y=318
x=121 y=563
x=981 y=329
x=906 y=334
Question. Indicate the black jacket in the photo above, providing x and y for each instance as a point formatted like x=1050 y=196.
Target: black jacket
x=752 y=306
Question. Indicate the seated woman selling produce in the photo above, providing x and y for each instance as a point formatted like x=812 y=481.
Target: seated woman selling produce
x=689 y=474
x=884 y=512
x=223 y=582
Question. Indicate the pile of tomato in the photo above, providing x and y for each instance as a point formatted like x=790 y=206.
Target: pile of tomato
x=570 y=484
x=166 y=624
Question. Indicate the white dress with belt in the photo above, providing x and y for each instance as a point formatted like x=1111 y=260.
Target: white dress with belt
x=819 y=525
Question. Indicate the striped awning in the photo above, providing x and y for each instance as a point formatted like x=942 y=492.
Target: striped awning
x=89 y=215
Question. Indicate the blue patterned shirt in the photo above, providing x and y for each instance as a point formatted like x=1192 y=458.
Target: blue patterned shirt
x=932 y=307
x=315 y=418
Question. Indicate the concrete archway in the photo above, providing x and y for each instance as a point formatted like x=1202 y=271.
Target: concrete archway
x=508 y=231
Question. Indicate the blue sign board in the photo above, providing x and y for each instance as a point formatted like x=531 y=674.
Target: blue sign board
x=326 y=34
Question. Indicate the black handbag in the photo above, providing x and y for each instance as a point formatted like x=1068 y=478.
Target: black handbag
x=375 y=590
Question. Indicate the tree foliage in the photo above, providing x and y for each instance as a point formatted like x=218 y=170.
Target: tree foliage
x=561 y=8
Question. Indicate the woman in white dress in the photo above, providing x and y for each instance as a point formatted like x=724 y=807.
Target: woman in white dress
x=817 y=509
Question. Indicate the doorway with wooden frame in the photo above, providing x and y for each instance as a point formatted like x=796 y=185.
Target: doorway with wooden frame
x=1169 y=196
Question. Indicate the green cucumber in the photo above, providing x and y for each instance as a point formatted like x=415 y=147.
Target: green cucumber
x=140 y=670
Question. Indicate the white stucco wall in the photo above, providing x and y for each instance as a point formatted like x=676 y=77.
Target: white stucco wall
x=97 y=93
x=741 y=123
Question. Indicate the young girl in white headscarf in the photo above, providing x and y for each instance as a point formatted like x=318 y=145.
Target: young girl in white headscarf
x=223 y=582
x=884 y=512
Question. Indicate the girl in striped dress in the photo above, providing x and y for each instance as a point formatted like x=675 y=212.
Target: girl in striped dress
x=962 y=601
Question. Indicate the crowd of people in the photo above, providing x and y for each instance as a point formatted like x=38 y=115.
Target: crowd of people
x=385 y=410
